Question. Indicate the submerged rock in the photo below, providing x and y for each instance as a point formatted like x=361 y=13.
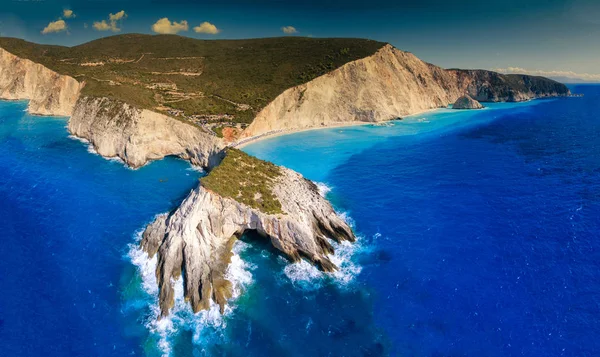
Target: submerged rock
x=466 y=102
x=196 y=239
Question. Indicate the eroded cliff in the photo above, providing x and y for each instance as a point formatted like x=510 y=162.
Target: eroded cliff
x=195 y=240
x=48 y=92
x=114 y=128
x=387 y=85
x=137 y=136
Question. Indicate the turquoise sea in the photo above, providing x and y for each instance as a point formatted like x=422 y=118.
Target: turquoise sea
x=478 y=236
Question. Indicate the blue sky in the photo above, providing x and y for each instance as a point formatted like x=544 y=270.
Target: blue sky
x=537 y=36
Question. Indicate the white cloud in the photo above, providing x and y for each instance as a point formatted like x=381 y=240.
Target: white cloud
x=207 y=27
x=118 y=16
x=55 y=26
x=557 y=73
x=113 y=22
x=164 y=26
x=289 y=30
x=101 y=25
x=67 y=13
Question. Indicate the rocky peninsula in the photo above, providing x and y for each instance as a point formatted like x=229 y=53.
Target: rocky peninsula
x=370 y=82
x=197 y=237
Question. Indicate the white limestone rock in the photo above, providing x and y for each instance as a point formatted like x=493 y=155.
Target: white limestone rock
x=117 y=129
x=466 y=102
x=48 y=92
x=196 y=238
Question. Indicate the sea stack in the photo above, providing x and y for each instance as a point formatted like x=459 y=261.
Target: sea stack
x=466 y=102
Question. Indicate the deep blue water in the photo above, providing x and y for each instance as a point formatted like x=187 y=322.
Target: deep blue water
x=66 y=219
x=484 y=237
x=478 y=237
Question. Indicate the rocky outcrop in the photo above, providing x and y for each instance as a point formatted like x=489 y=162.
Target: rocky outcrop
x=195 y=240
x=388 y=85
x=466 y=102
x=117 y=129
x=48 y=92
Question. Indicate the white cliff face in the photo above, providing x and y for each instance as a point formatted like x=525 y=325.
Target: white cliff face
x=117 y=129
x=196 y=239
x=114 y=129
x=48 y=92
x=387 y=85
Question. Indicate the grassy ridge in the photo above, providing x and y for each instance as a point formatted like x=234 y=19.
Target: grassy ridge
x=245 y=179
x=200 y=77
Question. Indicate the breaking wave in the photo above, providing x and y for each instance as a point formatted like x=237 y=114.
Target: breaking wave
x=203 y=324
x=91 y=150
x=306 y=276
x=323 y=189
x=207 y=327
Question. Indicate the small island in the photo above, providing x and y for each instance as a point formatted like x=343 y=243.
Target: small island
x=466 y=102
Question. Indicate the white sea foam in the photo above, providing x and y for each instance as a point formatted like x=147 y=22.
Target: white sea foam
x=73 y=137
x=195 y=168
x=87 y=143
x=323 y=189
x=92 y=150
x=306 y=276
x=202 y=324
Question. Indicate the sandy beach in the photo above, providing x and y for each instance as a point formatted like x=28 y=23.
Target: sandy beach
x=255 y=139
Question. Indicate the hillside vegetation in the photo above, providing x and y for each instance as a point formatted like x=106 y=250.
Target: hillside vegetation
x=199 y=80
x=246 y=179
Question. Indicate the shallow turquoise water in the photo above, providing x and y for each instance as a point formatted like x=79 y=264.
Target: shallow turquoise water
x=315 y=153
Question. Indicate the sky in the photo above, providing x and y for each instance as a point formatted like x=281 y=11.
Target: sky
x=545 y=37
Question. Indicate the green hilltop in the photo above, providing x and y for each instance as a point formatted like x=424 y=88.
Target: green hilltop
x=199 y=80
x=245 y=179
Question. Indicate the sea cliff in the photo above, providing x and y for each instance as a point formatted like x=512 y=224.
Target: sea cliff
x=114 y=128
x=117 y=129
x=48 y=92
x=387 y=85
x=197 y=237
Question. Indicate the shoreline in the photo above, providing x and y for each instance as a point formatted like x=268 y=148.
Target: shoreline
x=283 y=132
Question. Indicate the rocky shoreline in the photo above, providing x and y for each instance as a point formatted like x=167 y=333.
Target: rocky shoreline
x=117 y=129
x=390 y=84
x=197 y=237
